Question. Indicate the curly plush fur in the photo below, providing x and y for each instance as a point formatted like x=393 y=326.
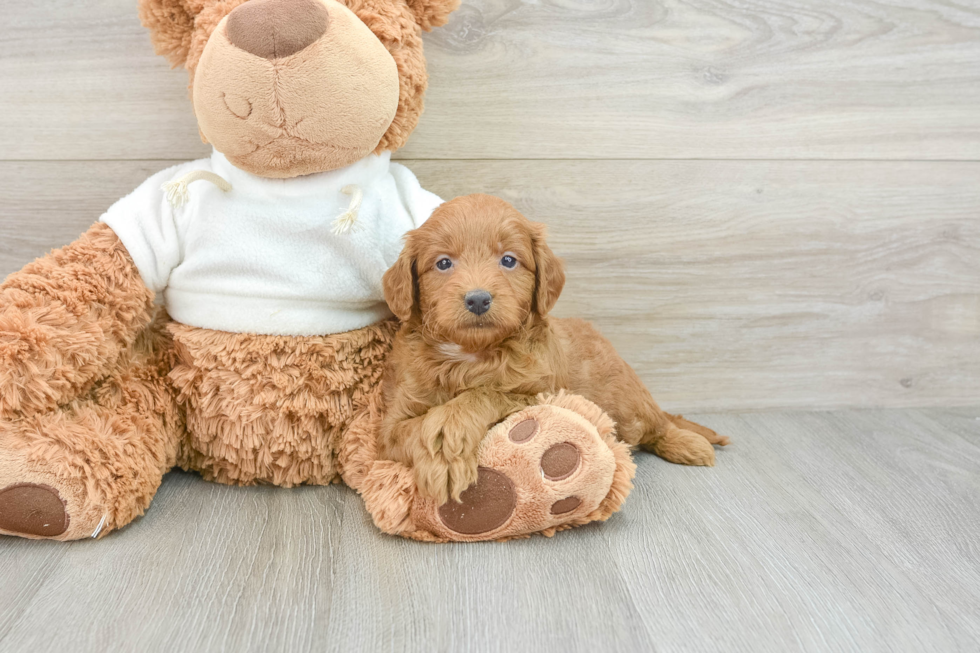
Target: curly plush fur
x=272 y=409
x=66 y=319
x=105 y=451
x=102 y=393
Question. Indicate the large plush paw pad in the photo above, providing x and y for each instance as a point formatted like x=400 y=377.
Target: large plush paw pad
x=483 y=507
x=540 y=469
x=32 y=509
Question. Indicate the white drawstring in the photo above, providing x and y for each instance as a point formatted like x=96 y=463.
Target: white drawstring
x=99 y=529
x=176 y=190
x=344 y=224
x=178 y=195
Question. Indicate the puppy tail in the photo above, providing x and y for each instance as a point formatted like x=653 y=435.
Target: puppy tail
x=704 y=431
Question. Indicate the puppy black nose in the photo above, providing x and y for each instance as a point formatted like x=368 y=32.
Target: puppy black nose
x=478 y=301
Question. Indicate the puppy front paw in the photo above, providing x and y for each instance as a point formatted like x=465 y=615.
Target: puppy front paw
x=440 y=477
x=432 y=478
x=446 y=464
x=463 y=473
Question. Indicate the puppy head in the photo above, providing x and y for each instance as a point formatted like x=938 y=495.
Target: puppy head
x=474 y=273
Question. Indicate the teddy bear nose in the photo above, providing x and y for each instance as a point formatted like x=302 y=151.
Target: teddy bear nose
x=273 y=29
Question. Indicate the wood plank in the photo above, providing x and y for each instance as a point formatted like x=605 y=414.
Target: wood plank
x=560 y=594
x=818 y=532
x=849 y=531
x=728 y=285
x=80 y=81
x=963 y=421
x=211 y=567
x=619 y=79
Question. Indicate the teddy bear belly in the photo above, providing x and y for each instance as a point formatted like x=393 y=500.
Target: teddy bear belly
x=272 y=409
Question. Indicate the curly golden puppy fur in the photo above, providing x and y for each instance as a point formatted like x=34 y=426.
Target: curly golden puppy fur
x=473 y=288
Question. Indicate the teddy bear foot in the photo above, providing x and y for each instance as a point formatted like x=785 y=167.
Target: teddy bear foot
x=32 y=510
x=39 y=505
x=546 y=468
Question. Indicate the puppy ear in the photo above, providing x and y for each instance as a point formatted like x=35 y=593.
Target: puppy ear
x=549 y=272
x=400 y=283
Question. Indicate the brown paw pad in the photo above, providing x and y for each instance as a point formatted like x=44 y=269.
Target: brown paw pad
x=560 y=461
x=524 y=431
x=484 y=506
x=32 y=509
x=567 y=504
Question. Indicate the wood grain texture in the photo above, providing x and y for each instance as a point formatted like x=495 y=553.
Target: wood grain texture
x=847 y=531
x=875 y=506
x=728 y=285
x=557 y=79
x=240 y=568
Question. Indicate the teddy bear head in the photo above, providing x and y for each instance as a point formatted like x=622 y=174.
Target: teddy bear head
x=285 y=88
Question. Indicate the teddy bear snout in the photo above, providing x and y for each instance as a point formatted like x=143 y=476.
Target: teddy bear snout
x=276 y=75
x=273 y=29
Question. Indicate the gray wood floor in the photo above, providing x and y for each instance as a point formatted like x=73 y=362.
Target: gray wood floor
x=835 y=531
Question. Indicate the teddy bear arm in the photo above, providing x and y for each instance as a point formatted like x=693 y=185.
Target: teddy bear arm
x=65 y=319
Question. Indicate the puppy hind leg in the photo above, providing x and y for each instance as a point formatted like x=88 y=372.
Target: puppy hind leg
x=703 y=431
x=674 y=443
x=682 y=447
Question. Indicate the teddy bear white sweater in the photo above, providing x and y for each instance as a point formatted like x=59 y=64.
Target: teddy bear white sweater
x=303 y=256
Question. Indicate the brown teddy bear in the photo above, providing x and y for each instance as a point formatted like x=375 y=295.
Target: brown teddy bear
x=261 y=362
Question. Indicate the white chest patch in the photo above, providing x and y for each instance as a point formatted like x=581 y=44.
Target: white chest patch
x=455 y=353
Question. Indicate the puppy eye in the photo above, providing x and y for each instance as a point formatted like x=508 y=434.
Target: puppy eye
x=444 y=264
x=508 y=262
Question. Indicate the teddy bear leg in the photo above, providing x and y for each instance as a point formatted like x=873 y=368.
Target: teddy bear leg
x=545 y=468
x=94 y=464
x=272 y=409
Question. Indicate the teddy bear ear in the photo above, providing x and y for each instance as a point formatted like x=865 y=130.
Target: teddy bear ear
x=432 y=13
x=171 y=25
